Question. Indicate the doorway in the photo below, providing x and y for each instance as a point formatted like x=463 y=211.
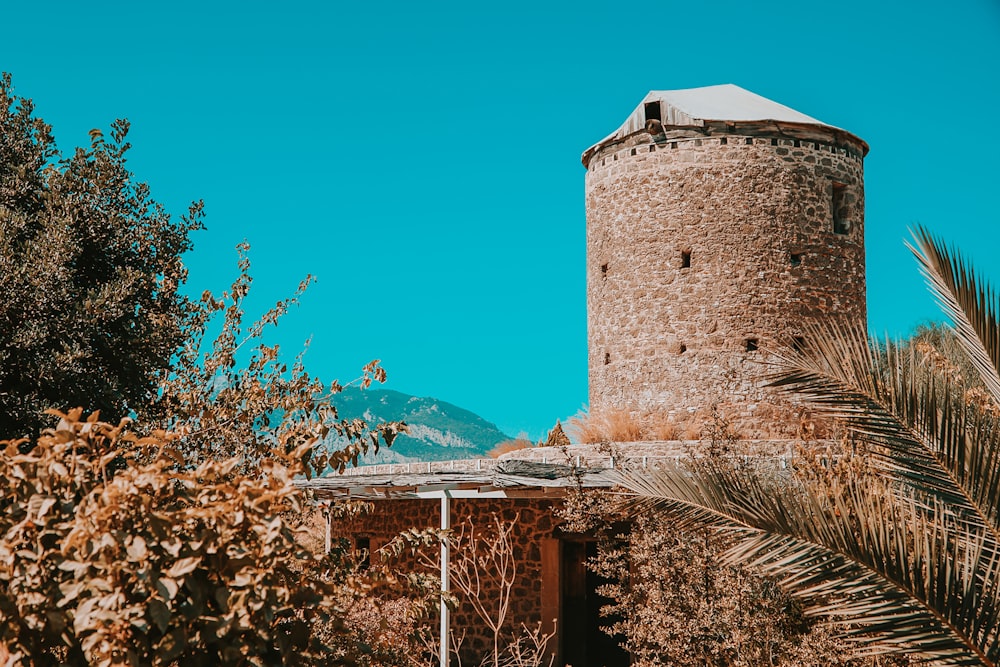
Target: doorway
x=582 y=642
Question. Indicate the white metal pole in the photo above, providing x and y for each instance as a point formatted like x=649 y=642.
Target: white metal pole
x=445 y=584
x=329 y=528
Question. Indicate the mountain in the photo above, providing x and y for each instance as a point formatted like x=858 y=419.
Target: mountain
x=439 y=431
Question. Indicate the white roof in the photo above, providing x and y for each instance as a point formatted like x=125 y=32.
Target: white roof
x=726 y=102
x=694 y=106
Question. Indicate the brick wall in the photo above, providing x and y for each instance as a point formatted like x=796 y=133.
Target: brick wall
x=533 y=535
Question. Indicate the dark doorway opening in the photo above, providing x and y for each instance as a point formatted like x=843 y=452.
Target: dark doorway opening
x=582 y=642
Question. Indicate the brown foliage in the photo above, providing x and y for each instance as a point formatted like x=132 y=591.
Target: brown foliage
x=155 y=563
x=610 y=426
x=520 y=442
x=221 y=408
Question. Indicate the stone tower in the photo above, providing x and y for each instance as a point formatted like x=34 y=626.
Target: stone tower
x=719 y=224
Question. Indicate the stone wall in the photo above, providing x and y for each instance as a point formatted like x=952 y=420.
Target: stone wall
x=705 y=253
x=534 y=530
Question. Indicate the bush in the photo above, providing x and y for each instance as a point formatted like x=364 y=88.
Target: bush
x=157 y=563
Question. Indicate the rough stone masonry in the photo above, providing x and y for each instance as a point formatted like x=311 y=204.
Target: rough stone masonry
x=711 y=241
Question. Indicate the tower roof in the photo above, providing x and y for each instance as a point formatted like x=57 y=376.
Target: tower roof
x=697 y=107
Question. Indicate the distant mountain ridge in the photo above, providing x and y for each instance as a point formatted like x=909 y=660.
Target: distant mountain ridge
x=439 y=431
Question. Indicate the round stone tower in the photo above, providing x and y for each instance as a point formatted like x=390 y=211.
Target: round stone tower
x=719 y=225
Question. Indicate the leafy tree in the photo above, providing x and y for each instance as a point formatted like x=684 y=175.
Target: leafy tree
x=90 y=271
x=903 y=553
x=233 y=395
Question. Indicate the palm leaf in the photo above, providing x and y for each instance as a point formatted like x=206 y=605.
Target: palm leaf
x=917 y=425
x=904 y=578
x=970 y=302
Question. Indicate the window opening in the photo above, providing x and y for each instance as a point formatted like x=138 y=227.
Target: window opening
x=604 y=271
x=682 y=348
x=362 y=548
x=798 y=343
x=652 y=110
x=795 y=259
x=685 y=259
x=839 y=206
x=607 y=358
x=751 y=344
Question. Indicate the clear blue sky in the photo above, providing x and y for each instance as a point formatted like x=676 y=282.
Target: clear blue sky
x=422 y=159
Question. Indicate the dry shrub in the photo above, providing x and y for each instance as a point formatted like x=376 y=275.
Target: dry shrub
x=520 y=442
x=623 y=426
x=693 y=429
x=663 y=427
x=610 y=426
x=586 y=428
x=151 y=561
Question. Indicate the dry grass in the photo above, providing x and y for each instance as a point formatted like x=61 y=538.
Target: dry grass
x=770 y=421
x=612 y=426
x=662 y=427
x=520 y=442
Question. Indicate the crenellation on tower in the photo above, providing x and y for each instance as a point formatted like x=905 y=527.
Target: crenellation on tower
x=711 y=242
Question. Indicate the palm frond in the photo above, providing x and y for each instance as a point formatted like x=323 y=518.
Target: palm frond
x=905 y=579
x=916 y=425
x=971 y=303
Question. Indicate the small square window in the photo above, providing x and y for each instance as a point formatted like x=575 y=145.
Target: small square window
x=795 y=259
x=652 y=110
x=686 y=259
x=751 y=344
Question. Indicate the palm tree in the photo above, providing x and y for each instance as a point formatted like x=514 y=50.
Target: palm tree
x=904 y=554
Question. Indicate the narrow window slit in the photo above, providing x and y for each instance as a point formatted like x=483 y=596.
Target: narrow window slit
x=838 y=205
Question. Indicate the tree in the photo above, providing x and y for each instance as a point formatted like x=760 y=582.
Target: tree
x=233 y=395
x=90 y=272
x=902 y=551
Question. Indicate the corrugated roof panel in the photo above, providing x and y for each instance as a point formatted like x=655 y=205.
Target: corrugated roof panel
x=695 y=106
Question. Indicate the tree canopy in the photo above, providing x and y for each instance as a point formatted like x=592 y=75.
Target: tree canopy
x=91 y=312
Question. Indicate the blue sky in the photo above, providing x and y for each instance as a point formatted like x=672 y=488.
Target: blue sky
x=422 y=159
